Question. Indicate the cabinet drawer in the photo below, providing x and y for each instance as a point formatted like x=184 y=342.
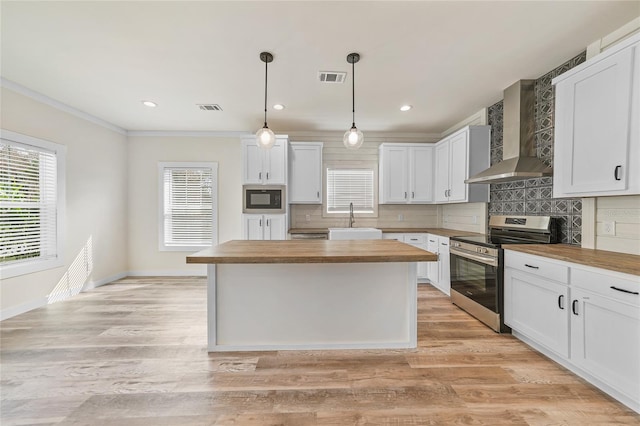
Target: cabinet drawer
x=537 y=266
x=606 y=285
x=415 y=238
x=397 y=237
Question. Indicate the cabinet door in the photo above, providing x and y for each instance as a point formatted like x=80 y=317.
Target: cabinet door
x=421 y=174
x=441 y=184
x=395 y=175
x=605 y=340
x=305 y=173
x=458 y=167
x=444 y=272
x=275 y=164
x=537 y=308
x=592 y=131
x=275 y=227
x=433 y=267
x=252 y=227
x=251 y=162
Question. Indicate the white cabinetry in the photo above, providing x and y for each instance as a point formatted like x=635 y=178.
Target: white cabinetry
x=597 y=121
x=438 y=272
x=458 y=156
x=406 y=173
x=585 y=318
x=264 y=166
x=536 y=305
x=417 y=240
x=264 y=226
x=305 y=173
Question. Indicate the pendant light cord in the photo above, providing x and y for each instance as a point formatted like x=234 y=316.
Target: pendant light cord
x=353 y=93
x=266 y=67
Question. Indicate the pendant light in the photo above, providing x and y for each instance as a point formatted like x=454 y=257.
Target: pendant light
x=353 y=137
x=265 y=138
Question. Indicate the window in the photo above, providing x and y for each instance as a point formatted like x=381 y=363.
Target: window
x=31 y=204
x=347 y=184
x=188 y=204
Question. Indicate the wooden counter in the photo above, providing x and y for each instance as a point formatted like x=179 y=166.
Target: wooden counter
x=311 y=251
x=437 y=231
x=613 y=261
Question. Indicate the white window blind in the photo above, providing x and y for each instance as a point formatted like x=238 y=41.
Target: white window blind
x=345 y=186
x=188 y=207
x=28 y=204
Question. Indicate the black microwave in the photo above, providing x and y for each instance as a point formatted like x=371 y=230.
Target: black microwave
x=263 y=199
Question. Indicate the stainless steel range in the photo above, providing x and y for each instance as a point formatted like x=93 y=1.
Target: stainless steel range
x=477 y=265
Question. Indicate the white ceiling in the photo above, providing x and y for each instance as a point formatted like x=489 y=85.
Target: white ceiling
x=447 y=59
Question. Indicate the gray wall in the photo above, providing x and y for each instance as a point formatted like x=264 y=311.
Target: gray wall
x=534 y=196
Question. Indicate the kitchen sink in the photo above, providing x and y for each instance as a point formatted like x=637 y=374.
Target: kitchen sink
x=355 y=234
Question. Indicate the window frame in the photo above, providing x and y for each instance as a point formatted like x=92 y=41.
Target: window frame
x=214 y=201
x=349 y=165
x=36 y=264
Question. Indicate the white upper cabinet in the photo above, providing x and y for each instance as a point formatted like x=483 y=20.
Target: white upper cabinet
x=264 y=166
x=597 y=116
x=305 y=173
x=406 y=173
x=458 y=156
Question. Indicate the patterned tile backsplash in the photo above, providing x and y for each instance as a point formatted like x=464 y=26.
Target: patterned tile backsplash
x=534 y=196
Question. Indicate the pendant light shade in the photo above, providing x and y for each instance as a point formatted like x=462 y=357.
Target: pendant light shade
x=265 y=138
x=353 y=137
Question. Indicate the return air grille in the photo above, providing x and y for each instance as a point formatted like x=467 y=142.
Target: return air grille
x=210 y=107
x=332 y=76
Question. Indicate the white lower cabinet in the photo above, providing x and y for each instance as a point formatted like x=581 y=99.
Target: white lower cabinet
x=585 y=318
x=438 y=272
x=433 y=268
x=264 y=226
x=416 y=240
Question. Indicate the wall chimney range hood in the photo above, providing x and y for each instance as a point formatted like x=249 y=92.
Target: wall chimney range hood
x=519 y=159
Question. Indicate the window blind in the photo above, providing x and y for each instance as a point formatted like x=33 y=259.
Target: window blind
x=188 y=207
x=345 y=186
x=28 y=203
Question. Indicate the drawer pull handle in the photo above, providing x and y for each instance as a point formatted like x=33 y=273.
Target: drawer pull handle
x=531 y=266
x=623 y=290
x=573 y=307
x=560 y=300
x=615 y=172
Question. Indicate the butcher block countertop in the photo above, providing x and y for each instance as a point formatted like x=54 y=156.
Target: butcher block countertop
x=311 y=251
x=613 y=261
x=437 y=231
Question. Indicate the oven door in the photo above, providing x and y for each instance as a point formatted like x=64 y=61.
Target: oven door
x=477 y=277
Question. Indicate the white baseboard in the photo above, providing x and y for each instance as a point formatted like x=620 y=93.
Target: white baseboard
x=22 y=308
x=93 y=284
x=170 y=273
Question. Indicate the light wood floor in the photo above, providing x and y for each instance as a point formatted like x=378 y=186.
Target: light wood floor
x=133 y=353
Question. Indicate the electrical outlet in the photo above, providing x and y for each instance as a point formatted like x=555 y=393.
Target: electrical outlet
x=308 y=218
x=609 y=227
x=475 y=220
x=400 y=217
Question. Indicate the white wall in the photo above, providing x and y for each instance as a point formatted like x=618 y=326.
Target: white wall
x=144 y=154
x=470 y=217
x=96 y=214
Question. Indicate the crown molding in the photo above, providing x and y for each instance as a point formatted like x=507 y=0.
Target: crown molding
x=18 y=88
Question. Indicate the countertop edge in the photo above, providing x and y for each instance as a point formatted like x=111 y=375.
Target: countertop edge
x=602 y=259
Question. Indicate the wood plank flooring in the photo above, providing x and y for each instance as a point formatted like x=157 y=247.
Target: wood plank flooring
x=134 y=353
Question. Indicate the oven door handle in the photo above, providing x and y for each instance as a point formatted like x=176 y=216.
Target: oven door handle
x=487 y=260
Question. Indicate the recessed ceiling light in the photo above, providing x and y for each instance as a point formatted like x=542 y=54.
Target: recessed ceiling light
x=279 y=107
x=149 y=104
x=405 y=107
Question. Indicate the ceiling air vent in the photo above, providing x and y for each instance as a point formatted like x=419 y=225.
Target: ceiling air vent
x=332 y=76
x=210 y=107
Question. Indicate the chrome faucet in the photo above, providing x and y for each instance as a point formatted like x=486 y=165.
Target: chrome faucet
x=352 y=220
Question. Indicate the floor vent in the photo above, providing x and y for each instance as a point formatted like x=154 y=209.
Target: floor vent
x=210 y=107
x=332 y=76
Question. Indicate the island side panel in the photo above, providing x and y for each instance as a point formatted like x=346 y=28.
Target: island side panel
x=211 y=307
x=315 y=306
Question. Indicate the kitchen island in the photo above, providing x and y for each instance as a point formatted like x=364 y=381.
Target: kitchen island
x=318 y=294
